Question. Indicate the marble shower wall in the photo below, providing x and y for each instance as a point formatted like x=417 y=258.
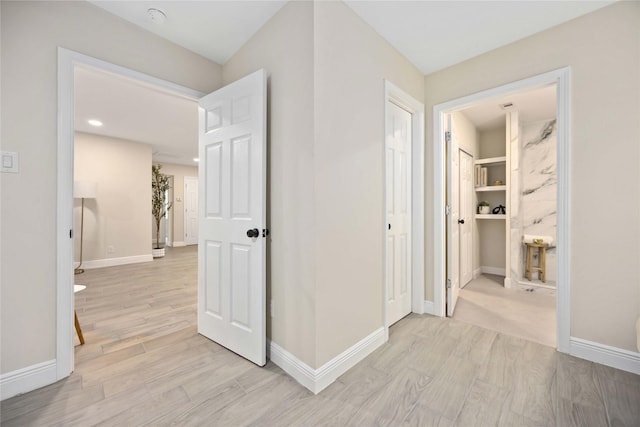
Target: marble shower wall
x=534 y=192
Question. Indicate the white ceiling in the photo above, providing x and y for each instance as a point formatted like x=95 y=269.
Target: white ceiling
x=436 y=34
x=213 y=29
x=532 y=106
x=431 y=34
x=137 y=112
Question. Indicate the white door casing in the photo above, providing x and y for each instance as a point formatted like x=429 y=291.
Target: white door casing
x=232 y=196
x=562 y=78
x=466 y=215
x=453 y=229
x=398 y=211
x=190 y=210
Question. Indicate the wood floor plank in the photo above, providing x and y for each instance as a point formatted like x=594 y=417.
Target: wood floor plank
x=486 y=404
x=148 y=410
x=572 y=414
x=56 y=412
x=427 y=355
x=577 y=382
x=251 y=407
x=422 y=416
x=359 y=385
x=476 y=345
x=205 y=412
x=534 y=392
x=102 y=410
x=19 y=405
x=391 y=357
x=448 y=391
x=500 y=368
x=622 y=401
x=391 y=404
x=145 y=364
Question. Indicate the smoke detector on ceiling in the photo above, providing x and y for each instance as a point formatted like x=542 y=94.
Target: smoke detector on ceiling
x=157 y=16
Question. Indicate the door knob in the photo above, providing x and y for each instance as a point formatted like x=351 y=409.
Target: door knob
x=461 y=221
x=254 y=232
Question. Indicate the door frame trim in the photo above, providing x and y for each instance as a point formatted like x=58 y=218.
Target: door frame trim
x=393 y=93
x=68 y=60
x=562 y=78
x=184 y=197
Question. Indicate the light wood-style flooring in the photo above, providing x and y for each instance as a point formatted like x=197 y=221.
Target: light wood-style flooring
x=145 y=365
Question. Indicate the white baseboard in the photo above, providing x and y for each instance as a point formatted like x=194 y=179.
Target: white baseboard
x=606 y=355
x=111 y=262
x=178 y=244
x=429 y=308
x=317 y=380
x=27 y=379
x=493 y=270
x=477 y=272
x=507 y=282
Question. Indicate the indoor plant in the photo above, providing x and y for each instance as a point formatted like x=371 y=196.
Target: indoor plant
x=483 y=207
x=159 y=207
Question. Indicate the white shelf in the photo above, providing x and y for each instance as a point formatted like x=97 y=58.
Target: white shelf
x=492 y=188
x=491 y=160
x=491 y=216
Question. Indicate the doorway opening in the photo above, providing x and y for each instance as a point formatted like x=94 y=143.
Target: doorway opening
x=68 y=63
x=497 y=180
x=506 y=189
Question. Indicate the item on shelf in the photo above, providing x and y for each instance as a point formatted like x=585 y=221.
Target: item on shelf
x=498 y=182
x=477 y=178
x=483 y=177
x=500 y=209
x=484 y=208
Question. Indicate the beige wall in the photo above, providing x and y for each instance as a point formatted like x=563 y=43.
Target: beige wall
x=31 y=34
x=284 y=47
x=326 y=87
x=492 y=233
x=351 y=63
x=493 y=142
x=605 y=67
x=178 y=172
x=120 y=215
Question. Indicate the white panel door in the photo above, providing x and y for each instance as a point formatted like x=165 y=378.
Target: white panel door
x=398 y=201
x=466 y=218
x=453 y=230
x=232 y=217
x=190 y=210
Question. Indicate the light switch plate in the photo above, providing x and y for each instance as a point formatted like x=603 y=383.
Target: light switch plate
x=9 y=162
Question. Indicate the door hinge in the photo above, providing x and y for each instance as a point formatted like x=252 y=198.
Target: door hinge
x=71 y=233
x=447 y=210
x=447 y=136
x=448 y=283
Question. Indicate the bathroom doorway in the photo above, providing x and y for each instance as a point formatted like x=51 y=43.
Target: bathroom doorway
x=517 y=137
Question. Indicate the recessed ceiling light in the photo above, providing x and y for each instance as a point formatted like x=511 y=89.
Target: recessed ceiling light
x=195 y=159
x=157 y=16
x=94 y=122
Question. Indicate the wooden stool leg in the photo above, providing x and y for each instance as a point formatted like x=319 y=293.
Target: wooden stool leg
x=78 y=330
x=529 y=262
x=543 y=264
